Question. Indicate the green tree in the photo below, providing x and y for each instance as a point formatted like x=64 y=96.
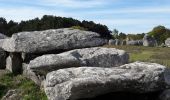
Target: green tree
x=115 y=33
x=160 y=33
x=3 y=25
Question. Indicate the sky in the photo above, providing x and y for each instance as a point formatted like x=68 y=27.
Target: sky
x=128 y=16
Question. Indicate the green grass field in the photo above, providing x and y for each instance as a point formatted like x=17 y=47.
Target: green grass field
x=29 y=90
x=147 y=54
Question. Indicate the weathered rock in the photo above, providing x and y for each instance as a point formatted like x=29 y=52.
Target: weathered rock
x=14 y=63
x=2 y=36
x=149 y=41
x=114 y=42
x=12 y=95
x=52 y=40
x=97 y=56
x=167 y=42
x=165 y=95
x=123 y=42
x=135 y=42
x=87 y=82
x=118 y=42
x=3 y=56
x=27 y=72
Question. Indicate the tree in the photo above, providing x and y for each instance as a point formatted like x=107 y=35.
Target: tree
x=122 y=36
x=115 y=33
x=3 y=25
x=51 y=22
x=160 y=33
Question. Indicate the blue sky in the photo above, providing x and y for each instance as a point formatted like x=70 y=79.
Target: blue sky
x=129 y=16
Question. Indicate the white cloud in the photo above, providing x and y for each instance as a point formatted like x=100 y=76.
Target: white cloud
x=26 y=13
x=75 y=3
x=132 y=10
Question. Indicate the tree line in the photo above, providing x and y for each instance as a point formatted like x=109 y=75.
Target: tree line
x=51 y=22
x=160 y=33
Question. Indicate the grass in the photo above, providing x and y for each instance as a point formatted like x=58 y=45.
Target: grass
x=29 y=90
x=147 y=54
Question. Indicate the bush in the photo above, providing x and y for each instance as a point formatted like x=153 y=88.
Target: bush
x=79 y=27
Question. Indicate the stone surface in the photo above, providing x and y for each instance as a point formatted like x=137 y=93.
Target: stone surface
x=52 y=40
x=3 y=56
x=165 y=95
x=14 y=63
x=149 y=41
x=135 y=42
x=167 y=42
x=2 y=36
x=97 y=56
x=88 y=82
x=114 y=42
x=12 y=95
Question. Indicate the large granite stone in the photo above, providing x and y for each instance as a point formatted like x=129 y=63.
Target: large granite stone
x=52 y=40
x=149 y=41
x=88 y=82
x=14 y=63
x=167 y=42
x=97 y=56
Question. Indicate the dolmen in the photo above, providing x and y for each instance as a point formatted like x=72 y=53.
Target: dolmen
x=71 y=64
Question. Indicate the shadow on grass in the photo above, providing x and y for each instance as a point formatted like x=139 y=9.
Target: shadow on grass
x=3 y=90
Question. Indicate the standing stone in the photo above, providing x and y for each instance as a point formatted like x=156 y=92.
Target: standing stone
x=135 y=42
x=112 y=42
x=14 y=63
x=3 y=56
x=52 y=40
x=123 y=42
x=167 y=42
x=118 y=42
x=149 y=41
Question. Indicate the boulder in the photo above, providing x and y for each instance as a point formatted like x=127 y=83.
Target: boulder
x=97 y=56
x=12 y=95
x=135 y=42
x=114 y=42
x=167 y=42
x=123 y=42
x=52 y=40
x=118 y=42
x=149 y=41
x=2 y=36
x=14 y=63
x=88 y=82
